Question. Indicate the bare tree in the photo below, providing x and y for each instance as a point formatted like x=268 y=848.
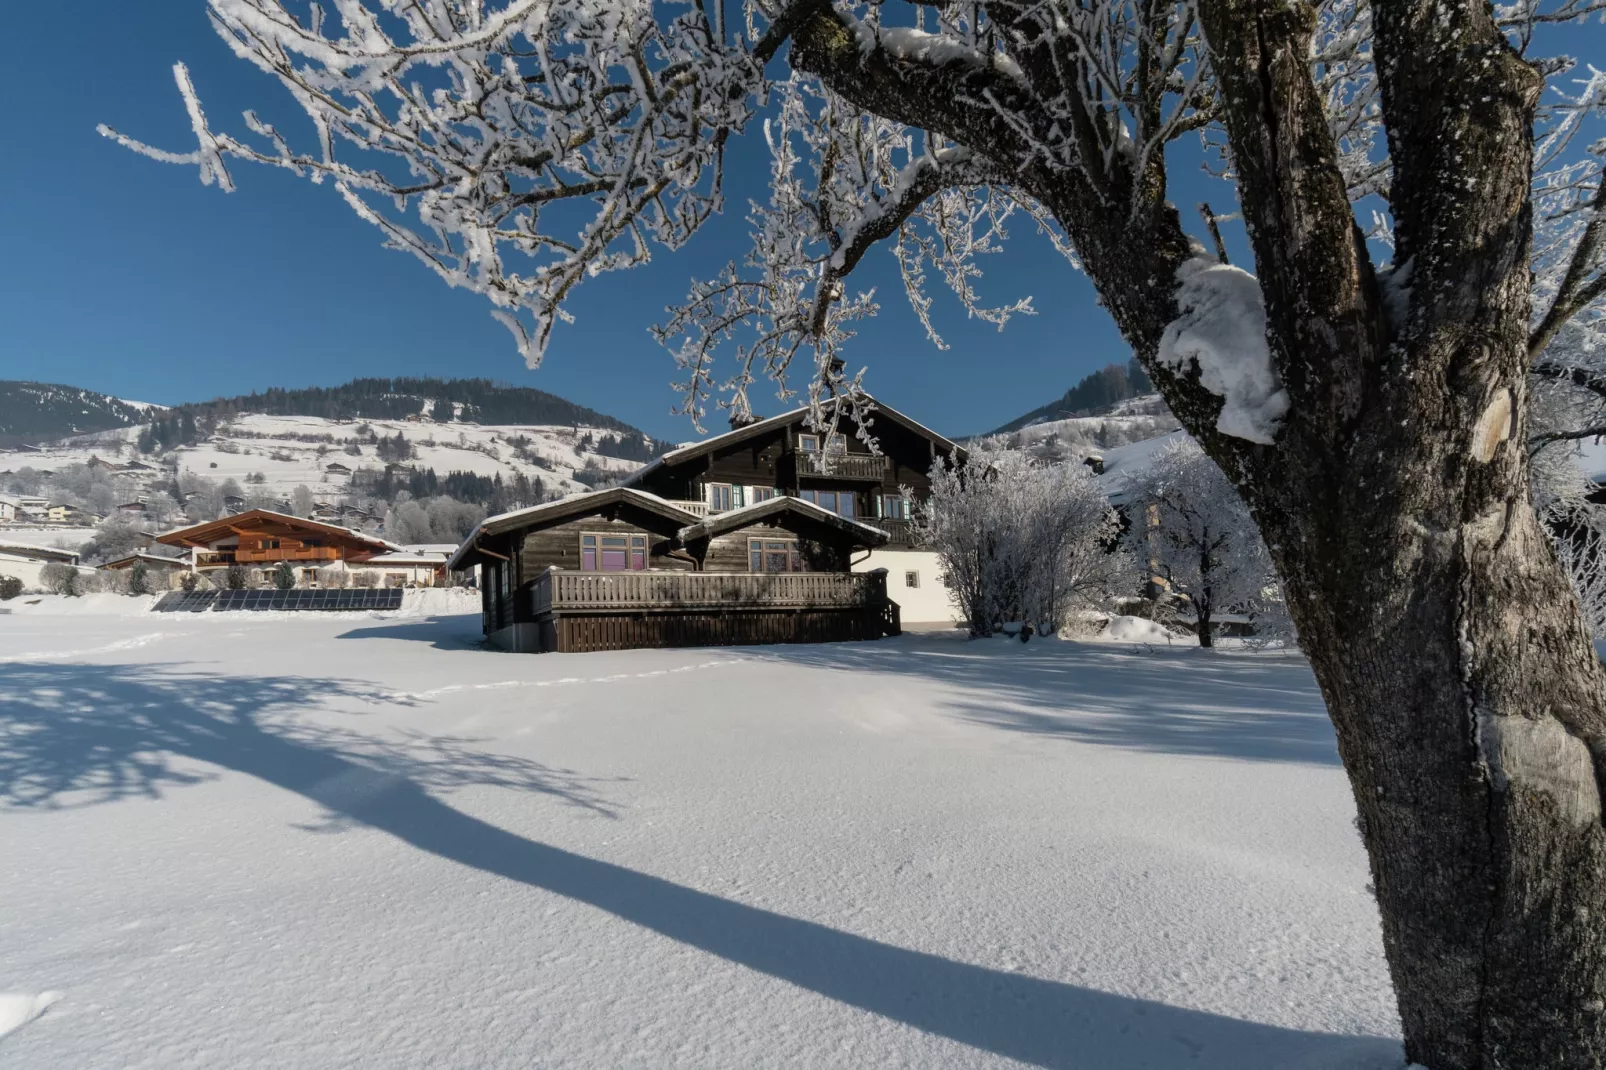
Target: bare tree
x=1375 y=418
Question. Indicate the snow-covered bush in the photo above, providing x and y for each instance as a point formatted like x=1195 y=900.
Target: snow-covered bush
x=365 y=578
x=190 y=581
x=58 y=578
x=1198 y=537
x=332 y=578
x=10 y=587
x=235 y=578
x=1021 y=540
x=284 y=577
x=139 y=581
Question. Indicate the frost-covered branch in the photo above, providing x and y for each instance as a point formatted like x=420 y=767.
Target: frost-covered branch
x=457 y=126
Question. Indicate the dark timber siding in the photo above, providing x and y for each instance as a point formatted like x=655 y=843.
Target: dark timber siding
x=728 y=552
x=560 y=545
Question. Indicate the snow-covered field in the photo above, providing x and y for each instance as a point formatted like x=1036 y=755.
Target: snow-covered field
x=363 y=841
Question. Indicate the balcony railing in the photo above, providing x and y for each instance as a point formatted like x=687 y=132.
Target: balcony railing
x=839 y=465
x=692 y=507
x=305 y=553
x=899 y=532
x=559 y=590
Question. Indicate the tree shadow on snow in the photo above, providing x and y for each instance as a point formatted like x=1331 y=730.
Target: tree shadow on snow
x=77 y=735
x=1174 y=700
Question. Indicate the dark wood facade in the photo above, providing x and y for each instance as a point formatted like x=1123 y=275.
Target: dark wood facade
x=694 y=583
x=769 y=455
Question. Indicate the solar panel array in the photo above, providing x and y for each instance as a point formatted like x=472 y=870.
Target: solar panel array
x=356 y=598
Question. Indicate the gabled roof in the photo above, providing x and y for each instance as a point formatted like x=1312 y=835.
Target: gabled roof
x=582 y=504
x=127 y=561
x=213 y=530
x=736 y=519
x=730 y=438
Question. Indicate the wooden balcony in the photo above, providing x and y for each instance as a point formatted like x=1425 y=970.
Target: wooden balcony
x=692 y=507
x=581 y=611
x=304 y=553
x=561 y=590
x=899 y=532
x=812 y=464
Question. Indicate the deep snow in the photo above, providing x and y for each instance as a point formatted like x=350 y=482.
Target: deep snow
x=338 y=841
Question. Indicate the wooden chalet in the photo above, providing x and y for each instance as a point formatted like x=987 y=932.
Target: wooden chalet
x=621 y=568
x=783 y=456
x=259 y=538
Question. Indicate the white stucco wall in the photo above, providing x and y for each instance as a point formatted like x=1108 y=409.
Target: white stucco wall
x=930 y=602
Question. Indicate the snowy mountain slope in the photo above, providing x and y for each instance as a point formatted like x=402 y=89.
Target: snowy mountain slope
x=1133 y=420
x=38 y=412
x=293 y=451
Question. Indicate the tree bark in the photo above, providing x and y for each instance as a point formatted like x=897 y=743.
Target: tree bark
x=1468 y=702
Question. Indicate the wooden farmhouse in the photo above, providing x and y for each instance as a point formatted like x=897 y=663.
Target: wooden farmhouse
x=769 y=533
x=260 y=540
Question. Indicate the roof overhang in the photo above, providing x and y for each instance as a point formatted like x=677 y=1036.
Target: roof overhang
x=564 y=509
x=782 y=508
x=203 y=535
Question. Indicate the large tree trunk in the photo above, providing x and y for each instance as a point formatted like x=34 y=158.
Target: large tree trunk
x=1469 y=706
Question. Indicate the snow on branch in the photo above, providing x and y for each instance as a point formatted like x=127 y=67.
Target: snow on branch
x=515 y=149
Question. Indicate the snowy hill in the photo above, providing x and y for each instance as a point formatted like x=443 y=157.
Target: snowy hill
x=291 y=451
x=1132 y=420
x=40 y=412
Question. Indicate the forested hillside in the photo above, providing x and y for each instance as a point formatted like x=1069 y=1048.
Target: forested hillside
x=1094 y=395
x=33 y=412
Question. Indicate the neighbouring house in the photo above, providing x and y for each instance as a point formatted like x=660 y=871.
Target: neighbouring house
x=783 y=457
x=138 y=466
x=335 y=468
x=10 y=509
x=104 y=466
x=262 y=539
x=233 y=502
x=68 y=514
x=30 y=507
x=163 y=571
x=130 y=509
x=622 y=568
x=27 y=562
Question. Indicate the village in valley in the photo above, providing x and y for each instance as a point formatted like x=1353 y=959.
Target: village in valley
x=856 y=534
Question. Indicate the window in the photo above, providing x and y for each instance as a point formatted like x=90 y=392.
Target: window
x=774 y=555
x=894 y=507
x=719 y=497
x=911 y=579
x=839 y=502
x=837 y=443
x=808 y=443
x=764 y=494
x=613 y=553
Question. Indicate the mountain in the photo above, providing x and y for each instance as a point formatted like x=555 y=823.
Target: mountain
x=1094 y=395
x=478 y=401
x=32 y=413
x=37 y=412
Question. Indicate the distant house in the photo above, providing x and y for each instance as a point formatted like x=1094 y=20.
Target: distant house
x=67 y=514
x=262 y=539
x=27 y=562
x=335 y=468
x=138 y=466
x=168 y=567
x=131 y=509
x=36 y=508
x=103 y=466
x=394 y=468
x=9 y=509
x=621 y=568
x=233 y=502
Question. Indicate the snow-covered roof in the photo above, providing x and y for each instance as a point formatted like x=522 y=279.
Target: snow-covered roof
x=734 y=519
x=36 y=553
x=127 y=561
x=758 y=427
x=1125 y=465
x=403 y=557
x=445 y=549
x=574 y=504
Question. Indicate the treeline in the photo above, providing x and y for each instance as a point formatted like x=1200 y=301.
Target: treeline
x=493 y=493
x=167 y=429
x=1092 y=396
x=482 y=401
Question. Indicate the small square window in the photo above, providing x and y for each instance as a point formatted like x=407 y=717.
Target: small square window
x=911 y=579
x=808 y=443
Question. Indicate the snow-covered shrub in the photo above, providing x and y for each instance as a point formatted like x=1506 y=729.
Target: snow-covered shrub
x=333 y=578
x=1021 y=540
x=365 y=578
x=10 y=587
x=139 y=581
x=284 y=577
x=1198 y=537
x=235 y=578
x=189 y=581
x=58 y=578
x=112 y=582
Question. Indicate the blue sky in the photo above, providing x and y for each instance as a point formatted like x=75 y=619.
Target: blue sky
x=127 y=276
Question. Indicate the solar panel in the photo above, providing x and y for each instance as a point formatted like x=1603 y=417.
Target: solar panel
x=185 y=602
x=295 y=599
